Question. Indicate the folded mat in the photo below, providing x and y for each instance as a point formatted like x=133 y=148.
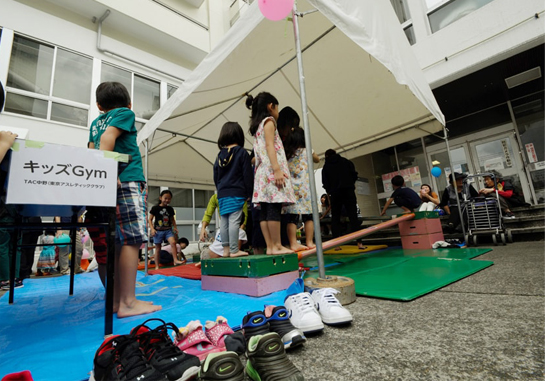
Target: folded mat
x=186 y=271
x=406 y=274
x=351 y=249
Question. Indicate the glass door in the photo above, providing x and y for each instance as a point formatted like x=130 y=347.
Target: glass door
x=496 y=153
x=461 y=162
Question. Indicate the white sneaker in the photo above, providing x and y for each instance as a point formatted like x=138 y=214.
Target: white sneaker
x=303 y=314
x=330 y=309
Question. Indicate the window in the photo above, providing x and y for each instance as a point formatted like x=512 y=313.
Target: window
x=402 y=11
x=145 y=93
x=48 y=82
x=171 y=89
x=443 y=13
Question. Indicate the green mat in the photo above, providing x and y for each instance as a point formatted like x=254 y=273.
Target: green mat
x=404 y=274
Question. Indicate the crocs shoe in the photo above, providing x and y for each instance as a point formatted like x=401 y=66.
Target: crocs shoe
x=193 y=341
x=267 y=360
x=254 y=323
x=303 y=314
x=224 y=366
x=217 y=330
x=120 y=358
x=279 y=322
x=162 y=354
x=330 y=309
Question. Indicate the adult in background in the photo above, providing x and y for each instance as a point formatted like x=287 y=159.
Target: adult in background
x=449 y=202
x=338 y=179
x=506 y=192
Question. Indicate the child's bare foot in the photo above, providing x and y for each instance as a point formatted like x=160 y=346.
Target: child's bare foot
x=298 y=247
x=138 y=307
x=238 y=254
x=177 y=263
x=156 y=267
x=116 y=307
x=311 y=245
x=198 y=265
x=279 y=251
x=361 y=246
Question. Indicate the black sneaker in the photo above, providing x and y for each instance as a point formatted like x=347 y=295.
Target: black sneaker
x=279 y=322
x=224 y=366
x=267 y=360
x=120 y=358
x=254 y=323
x=508 y=216
x=4 y=285
x=162 y=354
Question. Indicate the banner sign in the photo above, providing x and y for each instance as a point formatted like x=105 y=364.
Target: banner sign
x=52 y=174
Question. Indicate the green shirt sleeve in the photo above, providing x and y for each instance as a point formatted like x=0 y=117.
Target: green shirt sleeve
x=210 y=209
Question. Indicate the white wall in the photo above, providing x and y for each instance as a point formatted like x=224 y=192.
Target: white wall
x=488 y=35
x=54 y=30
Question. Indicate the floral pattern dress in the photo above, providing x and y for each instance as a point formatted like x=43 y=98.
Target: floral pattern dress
x=300 y=181
x=265 y=189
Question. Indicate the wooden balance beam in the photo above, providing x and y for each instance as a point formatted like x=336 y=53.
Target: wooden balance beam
x=332 y=243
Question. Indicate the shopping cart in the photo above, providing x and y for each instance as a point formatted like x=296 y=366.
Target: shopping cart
x=484 y=215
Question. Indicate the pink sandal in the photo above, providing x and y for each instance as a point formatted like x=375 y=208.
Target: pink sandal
x=193 y=341
x=216 y=331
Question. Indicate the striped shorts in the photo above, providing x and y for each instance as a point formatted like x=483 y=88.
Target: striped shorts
x=131 y=224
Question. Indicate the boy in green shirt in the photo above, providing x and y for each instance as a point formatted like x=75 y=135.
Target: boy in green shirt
x=114 y=130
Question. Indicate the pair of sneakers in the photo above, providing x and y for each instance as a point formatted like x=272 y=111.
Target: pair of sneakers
x=4 y=284
x=309 y=311
x=145 y=354
x=272 y=319
x=193 y=340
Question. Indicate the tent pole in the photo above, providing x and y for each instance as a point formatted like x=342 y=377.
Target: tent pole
x=146 y=174
x=308 y=144
x=454 y=184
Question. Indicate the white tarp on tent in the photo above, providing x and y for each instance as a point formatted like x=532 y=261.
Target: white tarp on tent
x=365 y=90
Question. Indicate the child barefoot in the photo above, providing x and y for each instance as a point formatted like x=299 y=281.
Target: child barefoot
x=272 y=185
x=234 y=182
x=163 y=227
x=115 y=130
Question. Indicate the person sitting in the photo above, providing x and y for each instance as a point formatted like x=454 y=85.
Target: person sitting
x=429 y=198
x=505 y=192
x=215 y=250
x=165 y=255
x=404 y=197
x=449 y=202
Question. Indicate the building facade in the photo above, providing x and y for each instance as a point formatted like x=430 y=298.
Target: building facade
x=482 y=58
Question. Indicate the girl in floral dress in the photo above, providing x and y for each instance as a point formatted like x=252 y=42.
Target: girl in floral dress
x=298 y=165
x=272 y=185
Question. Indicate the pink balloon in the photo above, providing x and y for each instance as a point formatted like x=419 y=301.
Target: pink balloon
x=276 y=10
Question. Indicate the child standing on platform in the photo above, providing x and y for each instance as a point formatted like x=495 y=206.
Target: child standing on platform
x=272 y=185
x=115 y=130
x=298 y=165
x=46 y=262
x=234 y=183
x=163 y=227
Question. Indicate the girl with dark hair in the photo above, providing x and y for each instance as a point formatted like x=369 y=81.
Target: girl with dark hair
x=272 y=185
x=429 y=198
x=163 y=227
x=287 y=120
x=298 y=165
x=234 y=182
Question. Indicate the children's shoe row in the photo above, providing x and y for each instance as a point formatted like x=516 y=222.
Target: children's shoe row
x=150 y=354
x=309 y=311
x=272 y=319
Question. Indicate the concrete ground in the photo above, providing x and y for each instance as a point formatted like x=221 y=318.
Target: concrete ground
x=489 y=326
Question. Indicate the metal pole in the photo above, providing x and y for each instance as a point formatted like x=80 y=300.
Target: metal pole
x=308 y=144
x=462 y=223
x=146 y=174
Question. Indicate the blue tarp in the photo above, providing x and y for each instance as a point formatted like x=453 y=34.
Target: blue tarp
x=55 y=335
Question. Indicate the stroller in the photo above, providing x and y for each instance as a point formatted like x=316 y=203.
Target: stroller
x=484 y=216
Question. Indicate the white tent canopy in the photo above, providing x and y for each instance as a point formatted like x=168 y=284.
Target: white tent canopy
x=365 y=90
